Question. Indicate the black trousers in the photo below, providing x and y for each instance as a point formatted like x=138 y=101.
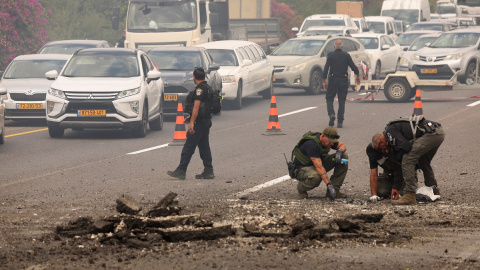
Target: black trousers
x=201 y=139
x=337 y=86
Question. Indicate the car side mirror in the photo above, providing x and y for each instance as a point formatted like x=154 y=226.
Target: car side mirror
x=405 y=49
x=295 y=29
x=213 y=67
x=385 y=47
x=427 y=44
x=3 y=91
x=247 y=62
x=153 y=75
x=51 y=75
x=366 y=29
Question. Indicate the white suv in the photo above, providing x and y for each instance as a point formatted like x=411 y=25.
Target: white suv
x=106 y=88
x=324 y=20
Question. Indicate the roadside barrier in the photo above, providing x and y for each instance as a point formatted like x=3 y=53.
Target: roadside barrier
x=273 y=127
x=180 y=135
x=417 y=106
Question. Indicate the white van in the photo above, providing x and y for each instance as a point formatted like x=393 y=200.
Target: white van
x=382 y=25
x=324 y=20
x=409 y=11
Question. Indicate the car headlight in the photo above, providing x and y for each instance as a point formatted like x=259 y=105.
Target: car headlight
x=127 y=93
x=415 y=57
x=403 y=61
x=229 y=79
x=370 y=56
x=57 y=93
x=453 y=56
x=4 y=97
x=298 y=67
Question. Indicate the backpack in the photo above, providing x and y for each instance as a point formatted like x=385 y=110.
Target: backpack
x=212 y=105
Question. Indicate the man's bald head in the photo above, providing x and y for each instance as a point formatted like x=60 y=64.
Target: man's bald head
x=338 y=44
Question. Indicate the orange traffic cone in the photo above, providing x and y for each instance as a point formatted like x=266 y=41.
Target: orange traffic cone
x=180 y=135
x=273 y=127
x=417 y=107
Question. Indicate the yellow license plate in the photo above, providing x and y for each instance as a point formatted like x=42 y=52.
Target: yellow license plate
x=170 y=97
x=429 y=70
x=92 y=113
x=29 y=106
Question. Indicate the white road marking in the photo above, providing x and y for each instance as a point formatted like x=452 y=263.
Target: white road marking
x=474 y=104
x=264 y=185
x=148 y=149
x=298 y=111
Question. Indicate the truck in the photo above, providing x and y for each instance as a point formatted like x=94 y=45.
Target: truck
x=409 y=11
x=354 y=9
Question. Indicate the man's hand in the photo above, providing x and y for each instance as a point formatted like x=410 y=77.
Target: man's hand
x=357 y=79
x=186 y=120
x=331 y=192
x=375 y=198
x=325 y=86
x=190 y=128
x=395 y=194
x=338 y=156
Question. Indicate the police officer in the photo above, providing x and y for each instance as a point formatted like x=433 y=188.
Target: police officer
x=313 y=162
x=337 y=64
x=416 y=142
x=121 y=41
x=199 y=123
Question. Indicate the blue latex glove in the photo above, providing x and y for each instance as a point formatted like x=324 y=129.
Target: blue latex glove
x=338 y=156
x=331 y=192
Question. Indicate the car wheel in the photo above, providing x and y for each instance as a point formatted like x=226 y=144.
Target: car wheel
x=397 y=90
x=268 y=93
x=157 y=124
x=237 y=102
x=315 y=83
x=56 y=132
x=141 y=130
x=378 y=68
x=471 y=70
x=2 y=137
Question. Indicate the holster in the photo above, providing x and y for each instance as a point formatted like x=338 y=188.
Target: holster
x=292 y=169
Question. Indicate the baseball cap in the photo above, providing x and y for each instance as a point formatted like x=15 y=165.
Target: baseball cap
x=331 y=133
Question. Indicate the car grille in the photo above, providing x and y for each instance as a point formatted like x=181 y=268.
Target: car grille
x=279 y=81
x=278 y=69
x=24 y=97
x=91 y=96
x=26 y=113
x=74 y=106
x=97 y=119
x=426 y=58
x=175 y=89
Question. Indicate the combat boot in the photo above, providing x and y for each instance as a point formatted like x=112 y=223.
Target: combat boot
x=436 y=190
x=206 y=174
x=340 y=124
x=180 y=174
x=409 y=198
x=331 y=123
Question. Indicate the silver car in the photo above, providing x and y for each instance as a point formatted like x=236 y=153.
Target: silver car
x=299 y=62
x=26 y=84
x=457 y=50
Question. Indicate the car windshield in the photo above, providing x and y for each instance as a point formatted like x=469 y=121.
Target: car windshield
x=299 y=47
x=64 y=48
x=455 y=40
x=323 y=32
x=407 y=39
x=21 y=69
x=433 y=27
x=398 y=27
x=445 y=8
x=377 y=27
x=102 y=65
x=223 y=57
x=322 y=22
x=420 y=43
x=369 y=43
x=176 y=60
x=408 y=16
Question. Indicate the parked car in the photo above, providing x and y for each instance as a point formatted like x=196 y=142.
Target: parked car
x=324 y=20
x=330 y=30
x=26 y=85
x=177 y=65
x=361 y=25
x=400 y=26
x=383 y=52
x=244 y=68
x=106 y=88
x=3 y=92
x=382 y=25
x=417 y=44
x=299 y=62
x=70 y=46
x=456 y=50
x=442 y=26
x=406 y=39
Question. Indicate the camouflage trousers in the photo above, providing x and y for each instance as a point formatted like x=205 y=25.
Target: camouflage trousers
x=308 y=177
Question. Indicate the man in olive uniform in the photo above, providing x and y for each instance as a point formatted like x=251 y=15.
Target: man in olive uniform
x=337 y=65
x=313 y=162
x=415 y=141
x=199 y=123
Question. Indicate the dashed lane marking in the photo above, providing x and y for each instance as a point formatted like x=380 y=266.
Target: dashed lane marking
x=264 y=185
x=297 y=111
x=474 y=104
x=27 y=132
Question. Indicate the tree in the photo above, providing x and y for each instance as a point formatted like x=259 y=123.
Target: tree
x=287 y=18
x=22 y=28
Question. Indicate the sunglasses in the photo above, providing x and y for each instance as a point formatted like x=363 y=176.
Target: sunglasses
x=332 y=136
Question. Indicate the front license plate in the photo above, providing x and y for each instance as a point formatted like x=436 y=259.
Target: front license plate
x=428 y=70
x=29 y=106
x=170 y=97
x=92 y=113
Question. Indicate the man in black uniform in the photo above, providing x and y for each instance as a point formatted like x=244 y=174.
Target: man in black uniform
x=415 y=140
x=199 y=123
x=338 y=63
x=121 y=41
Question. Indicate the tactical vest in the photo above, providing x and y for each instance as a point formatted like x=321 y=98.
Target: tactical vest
x=304 y=159
x=414 y=125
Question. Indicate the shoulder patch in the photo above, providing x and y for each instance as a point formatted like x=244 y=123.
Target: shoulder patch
x=199 y=91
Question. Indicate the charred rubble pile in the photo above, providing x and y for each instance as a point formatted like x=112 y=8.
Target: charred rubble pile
x=138 y=228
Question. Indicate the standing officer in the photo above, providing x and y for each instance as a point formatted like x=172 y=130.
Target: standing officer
x=199 y=123
x=313 y=162
x=338 y=63
x=121 y=41
x=415 y=140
